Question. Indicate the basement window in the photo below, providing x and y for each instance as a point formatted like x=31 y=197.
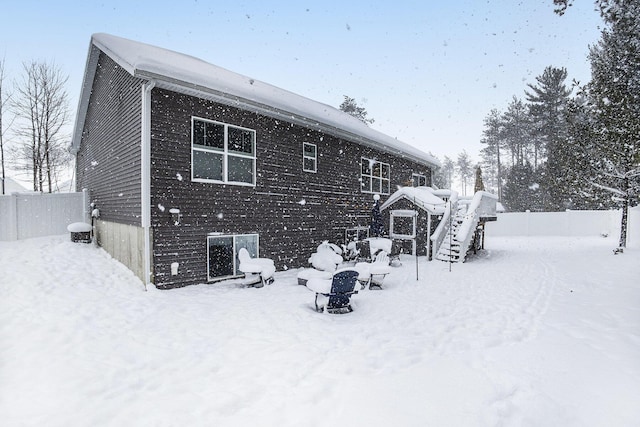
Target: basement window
x=222 y=254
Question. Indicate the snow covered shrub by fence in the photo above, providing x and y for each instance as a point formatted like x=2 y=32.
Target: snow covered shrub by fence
x=567 y=223
x=26 y=215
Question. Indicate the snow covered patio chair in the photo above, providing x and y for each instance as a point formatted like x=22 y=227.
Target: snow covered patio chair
x=334 y=295
x=258 y=271
x=373 y=273
x=327 y=257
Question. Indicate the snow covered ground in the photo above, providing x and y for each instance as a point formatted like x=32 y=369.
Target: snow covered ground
x=533 y=332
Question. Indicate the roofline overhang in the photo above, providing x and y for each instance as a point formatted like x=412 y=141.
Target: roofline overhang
x=199 y=91
x=85 y=93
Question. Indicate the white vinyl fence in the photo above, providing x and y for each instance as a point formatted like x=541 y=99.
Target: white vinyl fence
x=567 y=223
x=26 y=215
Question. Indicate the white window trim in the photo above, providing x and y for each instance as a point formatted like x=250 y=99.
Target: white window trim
x=372 y=161
x=356 y=230
x=235 y=251
x=404 y=214
x=315 y=158
x=225 y=154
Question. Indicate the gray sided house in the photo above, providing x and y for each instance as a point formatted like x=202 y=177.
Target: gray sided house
x=188 y=162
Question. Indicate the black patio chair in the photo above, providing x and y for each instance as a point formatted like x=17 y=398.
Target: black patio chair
x=337 y=298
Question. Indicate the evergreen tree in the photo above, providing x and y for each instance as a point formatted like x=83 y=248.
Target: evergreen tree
x=463 y=167
x=614 y=101
x=522 y=191
x=350 y=106
x=448 y=169
x=376 y=229
x=492 y=137
x=574 y=187
x=479 y=185
x=547 y=101
x=517 y=130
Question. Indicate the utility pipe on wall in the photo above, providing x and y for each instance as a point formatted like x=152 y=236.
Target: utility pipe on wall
x=145 y=165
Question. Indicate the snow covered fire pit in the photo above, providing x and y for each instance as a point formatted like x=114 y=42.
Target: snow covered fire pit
x=80 y=232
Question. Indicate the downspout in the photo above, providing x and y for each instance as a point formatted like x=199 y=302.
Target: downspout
x=145 y=165
x=428 y=239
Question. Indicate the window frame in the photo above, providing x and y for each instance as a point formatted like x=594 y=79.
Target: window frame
x=225 y=152
x=403 y=214
x=354 y=233
x=235 y=249
x=419 y=176
x=306 y=157
x=370 y=176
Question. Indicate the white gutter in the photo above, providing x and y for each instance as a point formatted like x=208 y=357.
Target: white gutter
x=145 y=165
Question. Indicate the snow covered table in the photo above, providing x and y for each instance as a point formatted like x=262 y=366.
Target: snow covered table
x=311 y=273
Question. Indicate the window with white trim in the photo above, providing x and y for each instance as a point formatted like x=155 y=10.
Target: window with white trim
x=419 y=180
x=222 y=153
x=309 y=157
x=222 y=254
x=375 y=176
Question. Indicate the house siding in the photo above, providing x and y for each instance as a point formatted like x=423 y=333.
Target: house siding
x=291 y=210
x=108 y=160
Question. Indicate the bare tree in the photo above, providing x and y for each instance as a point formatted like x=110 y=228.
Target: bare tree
x=2 y=102
x=41 y=105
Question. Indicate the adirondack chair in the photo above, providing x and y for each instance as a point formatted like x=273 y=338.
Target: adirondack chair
x=334 y=295
x=373 y=273
x=258 y=271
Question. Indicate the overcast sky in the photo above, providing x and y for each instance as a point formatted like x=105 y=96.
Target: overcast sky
x=427 y=72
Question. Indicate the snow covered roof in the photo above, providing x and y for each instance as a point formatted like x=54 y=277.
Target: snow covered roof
x=422 y=197
x=187 y=74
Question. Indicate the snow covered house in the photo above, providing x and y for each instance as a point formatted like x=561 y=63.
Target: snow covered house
x=188 y=162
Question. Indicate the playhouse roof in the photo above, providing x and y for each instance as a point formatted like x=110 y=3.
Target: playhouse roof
x=190 y=75
x=422 y=197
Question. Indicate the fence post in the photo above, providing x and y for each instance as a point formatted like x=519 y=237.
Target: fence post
x=86 y=208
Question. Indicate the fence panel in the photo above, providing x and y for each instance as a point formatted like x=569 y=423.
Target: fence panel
x=567 y=223
x=27 y=215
